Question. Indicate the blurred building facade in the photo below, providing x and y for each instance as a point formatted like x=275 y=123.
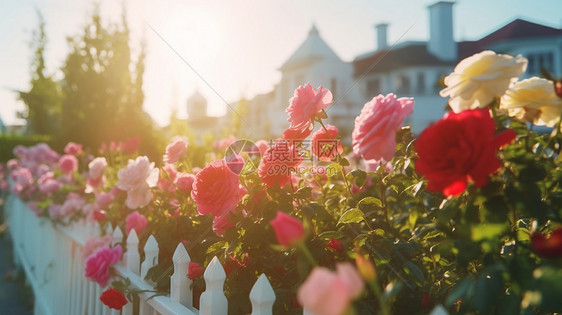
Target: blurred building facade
x=407 y=69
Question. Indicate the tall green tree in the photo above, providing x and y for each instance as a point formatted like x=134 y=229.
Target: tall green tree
x=43 y=100
x=103 y=88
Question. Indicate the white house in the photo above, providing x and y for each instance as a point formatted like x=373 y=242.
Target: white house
x=415 y=68
x=408 y=69
x=315 y=62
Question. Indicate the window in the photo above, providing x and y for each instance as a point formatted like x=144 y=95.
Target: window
x=373 y=87
x=403 y=84
x=538 y=61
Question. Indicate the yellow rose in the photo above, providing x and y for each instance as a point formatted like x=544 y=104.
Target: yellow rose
x=533 y=100
x=480 y=78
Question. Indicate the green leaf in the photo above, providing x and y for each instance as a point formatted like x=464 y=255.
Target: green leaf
x=413 y=218
x=333 y=169
x=344 y=162
x=360 y=177
x=413 y=270
x=370 y=202
x=351 y=216
x=217 y=246
x=328 y=235
x=487 y=290
x=304 y=192
x=487 y=231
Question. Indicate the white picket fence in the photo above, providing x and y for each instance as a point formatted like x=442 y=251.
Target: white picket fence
x=50 y=256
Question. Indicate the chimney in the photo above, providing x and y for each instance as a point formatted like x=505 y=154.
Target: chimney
x=441 y=42
x=381 y=35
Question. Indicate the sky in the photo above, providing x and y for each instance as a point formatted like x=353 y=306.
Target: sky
x=236 y=46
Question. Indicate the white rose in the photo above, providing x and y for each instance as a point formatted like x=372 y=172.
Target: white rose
x=533 y=100
x=480 y=78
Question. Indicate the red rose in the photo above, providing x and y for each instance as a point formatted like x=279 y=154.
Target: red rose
x=288 y=230
x=548 y=247
x=99 y=215
x=458 y=148
x=216 y=189
x=335 y=245
x=194 y=270
x=113 y=298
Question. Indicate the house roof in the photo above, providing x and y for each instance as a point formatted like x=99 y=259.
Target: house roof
x=516 y=29
x=416 y=54
x=313 y=48
x=385 y=60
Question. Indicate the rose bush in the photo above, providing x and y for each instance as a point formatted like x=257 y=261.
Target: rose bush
x=466 y=215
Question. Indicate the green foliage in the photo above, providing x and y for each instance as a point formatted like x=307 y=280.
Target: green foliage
x=103 y=97
x=9 y=141
x=43 y=100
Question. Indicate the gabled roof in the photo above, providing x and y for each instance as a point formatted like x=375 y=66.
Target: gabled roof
x=387 y=60
x=516 y=29
x=313 y=48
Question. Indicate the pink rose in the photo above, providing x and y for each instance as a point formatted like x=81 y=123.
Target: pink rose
x=73 y=203
x=12 y=164
x=47 y=183
x=292 y=134
x=288 y=230
x=329 y=293
x=216 y=189
x=20 y=151
x=97 y=167
x=135 y=221
x=175 y=150
x=184 y=182
x=326 y=146
x=98 y=264
x=306 y=103
x=22 y=179
x=262 y=146
x=277 y=164
x=73 y=148
x=375 y=128
x=221 y=224
x=104 y=199
x=128 y=146
x=68 y=163
x=136 y=179
x=55 y=211
x=94 y=243
x=235 y=162
x=49 y=186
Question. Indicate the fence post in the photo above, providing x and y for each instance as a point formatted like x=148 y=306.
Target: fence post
x=117 y=236
x=150 y=260
x=150 y=256
x=262 y=297
x=213 y=301
x=180 y=284
x=132 y=257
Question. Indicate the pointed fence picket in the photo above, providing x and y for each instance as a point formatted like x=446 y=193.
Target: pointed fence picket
x=50 y=256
